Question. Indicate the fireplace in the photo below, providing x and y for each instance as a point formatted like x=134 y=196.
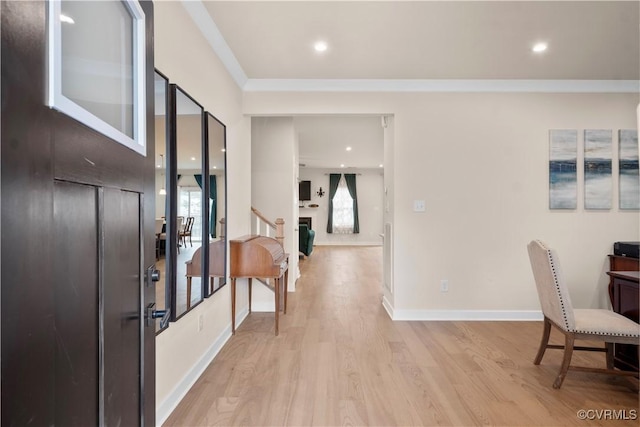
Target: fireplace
x=305 y=220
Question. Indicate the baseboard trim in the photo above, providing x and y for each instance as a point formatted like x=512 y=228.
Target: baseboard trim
x=470 y=315
x=263 y=307
x=166 y=407
x=387 y=306
x=347 y=244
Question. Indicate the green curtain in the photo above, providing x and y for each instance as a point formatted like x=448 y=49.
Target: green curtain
x=334 y=180
x=350 y=178
x=213 y=195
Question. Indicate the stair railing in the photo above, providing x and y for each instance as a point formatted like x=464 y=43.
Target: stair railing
x=264 y=227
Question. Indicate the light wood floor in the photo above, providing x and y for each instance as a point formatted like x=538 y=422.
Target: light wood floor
x=340 y=360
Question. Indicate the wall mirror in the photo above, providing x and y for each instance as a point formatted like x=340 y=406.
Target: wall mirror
x=188 y=204
x=163 y=293
x=216 y=145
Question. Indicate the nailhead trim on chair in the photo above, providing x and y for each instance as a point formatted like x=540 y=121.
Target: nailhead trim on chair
x=609 y=334
x=555 y=281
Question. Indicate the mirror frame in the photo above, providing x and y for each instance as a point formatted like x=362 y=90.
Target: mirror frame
x=207 y=167
x=167 y=284
x=172 y=223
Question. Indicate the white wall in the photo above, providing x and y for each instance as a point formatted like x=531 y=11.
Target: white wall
x=479 y=160
x=273 y=180
x=182 y=54
x=370 y=189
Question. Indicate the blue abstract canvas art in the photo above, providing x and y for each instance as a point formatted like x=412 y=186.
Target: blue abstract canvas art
x=563 y=158
x=629 y=183
x=598 y=183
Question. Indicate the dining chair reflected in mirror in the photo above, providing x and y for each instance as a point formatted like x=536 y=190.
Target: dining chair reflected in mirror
x=180 y=229
x=186 y=232
x=158 y=232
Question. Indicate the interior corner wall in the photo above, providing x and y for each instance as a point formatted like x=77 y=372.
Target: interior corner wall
x=369 y=187
x=480 y=162
x=185 y=57
x=273 y=180
x=387 y=215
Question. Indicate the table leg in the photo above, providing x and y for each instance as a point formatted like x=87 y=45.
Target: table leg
x=286 y=289
x=250 y=288
x=188 y=293
x=277 y=283
x=233 y=305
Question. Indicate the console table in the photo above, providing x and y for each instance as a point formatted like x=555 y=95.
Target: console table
x=624 y=294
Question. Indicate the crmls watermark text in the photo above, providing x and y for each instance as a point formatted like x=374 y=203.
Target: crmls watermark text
x=607 y=414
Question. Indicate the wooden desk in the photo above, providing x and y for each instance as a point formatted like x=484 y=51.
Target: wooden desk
x=258 y=257
x=623 y=289
x=621 y=263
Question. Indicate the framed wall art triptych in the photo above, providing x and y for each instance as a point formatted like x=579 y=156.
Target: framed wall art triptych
x=597 y=163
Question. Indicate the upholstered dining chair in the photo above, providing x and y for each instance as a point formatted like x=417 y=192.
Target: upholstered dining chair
x=576 y=324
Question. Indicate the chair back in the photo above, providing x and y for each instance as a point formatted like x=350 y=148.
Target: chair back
x=552 y=289
x=159 y=224
x=189 y=226
x=179 y=221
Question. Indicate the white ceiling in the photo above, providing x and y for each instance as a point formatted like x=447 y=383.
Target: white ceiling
x=323 y=141
x=416 y=45
x=431 y=39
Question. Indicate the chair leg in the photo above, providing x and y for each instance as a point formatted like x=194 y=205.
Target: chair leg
x=544 y=341
x=569 y=339
x=609 y=346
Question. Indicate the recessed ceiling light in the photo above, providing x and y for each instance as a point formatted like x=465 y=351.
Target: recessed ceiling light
x=381 y=165
x=193 y=158
x=215 y=167
x=320 y=46
x=539 y=47
x=342 y=165
x=348 y=148
x=223 y=150
x=66 y=19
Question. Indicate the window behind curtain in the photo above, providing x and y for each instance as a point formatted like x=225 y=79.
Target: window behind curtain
x=342 y=209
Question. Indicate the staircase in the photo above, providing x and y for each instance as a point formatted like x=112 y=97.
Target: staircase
x=262 y=226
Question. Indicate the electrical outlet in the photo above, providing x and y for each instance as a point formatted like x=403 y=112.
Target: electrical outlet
x=200 y=322
x=419 y=206
x=444 y=285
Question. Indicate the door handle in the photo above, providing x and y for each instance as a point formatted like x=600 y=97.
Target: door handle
x=152 y=275
x=152 y=314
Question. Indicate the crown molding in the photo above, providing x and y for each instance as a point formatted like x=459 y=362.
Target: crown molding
x=211 y=32
x=426 y=85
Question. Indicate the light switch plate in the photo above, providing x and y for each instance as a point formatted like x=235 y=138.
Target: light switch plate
x=419 y=206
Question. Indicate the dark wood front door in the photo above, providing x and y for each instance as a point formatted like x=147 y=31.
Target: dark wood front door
x=77 y=223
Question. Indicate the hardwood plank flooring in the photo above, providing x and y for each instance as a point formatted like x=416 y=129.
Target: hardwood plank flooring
x=340 y=360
